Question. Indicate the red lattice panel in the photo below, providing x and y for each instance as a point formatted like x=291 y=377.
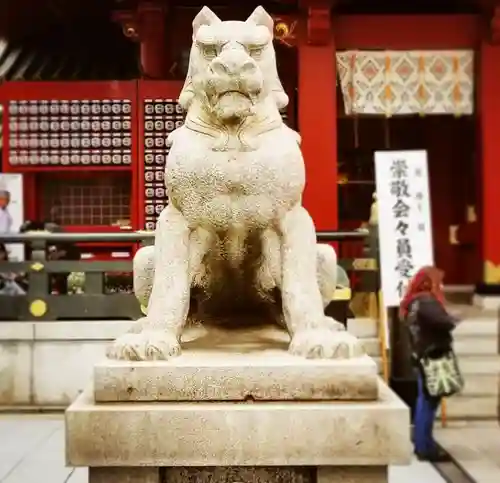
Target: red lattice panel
x=82 y=202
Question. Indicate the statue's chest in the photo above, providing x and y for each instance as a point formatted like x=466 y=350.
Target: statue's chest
x=215 y=168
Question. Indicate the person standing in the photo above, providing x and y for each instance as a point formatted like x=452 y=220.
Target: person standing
x=430 y=326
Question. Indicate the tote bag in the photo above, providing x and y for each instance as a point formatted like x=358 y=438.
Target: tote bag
x=441 y=373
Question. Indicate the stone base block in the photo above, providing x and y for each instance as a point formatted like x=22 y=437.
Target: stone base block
x=283 y=433
x=233 y=366
x=352 y=474
x=238 y=474
x=326 y=474
x=124 y=475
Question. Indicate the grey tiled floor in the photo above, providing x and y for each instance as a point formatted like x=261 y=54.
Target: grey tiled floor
x=475 y=447
x=32 y=450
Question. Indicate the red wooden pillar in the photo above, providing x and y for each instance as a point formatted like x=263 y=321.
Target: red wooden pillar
x=489 y=116
x=317 y=114
x=146 y=25
x=154 y=60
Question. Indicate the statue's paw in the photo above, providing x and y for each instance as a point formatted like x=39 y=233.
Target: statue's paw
x=145 y=346
x=325 y=343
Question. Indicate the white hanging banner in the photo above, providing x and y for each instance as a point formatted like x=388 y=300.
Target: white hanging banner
x=12 y=211
x=402 y=82
x=404 y=219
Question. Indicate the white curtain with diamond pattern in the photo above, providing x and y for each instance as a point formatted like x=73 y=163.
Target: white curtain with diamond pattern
x=407 y=82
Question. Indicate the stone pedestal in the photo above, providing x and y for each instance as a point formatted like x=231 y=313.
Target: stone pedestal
x=236 y=407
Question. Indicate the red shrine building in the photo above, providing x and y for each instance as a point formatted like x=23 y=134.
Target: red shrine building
x=89 y=90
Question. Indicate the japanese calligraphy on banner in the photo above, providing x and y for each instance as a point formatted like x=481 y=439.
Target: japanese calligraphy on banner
x=405 y=230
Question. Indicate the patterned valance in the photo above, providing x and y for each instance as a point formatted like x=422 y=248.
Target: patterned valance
x=407 y=82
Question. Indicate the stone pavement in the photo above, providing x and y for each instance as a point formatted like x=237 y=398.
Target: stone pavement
x=475 y=447
x=32 y=450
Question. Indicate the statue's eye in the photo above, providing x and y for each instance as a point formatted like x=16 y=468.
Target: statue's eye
x=255 y=51
x=210 y=51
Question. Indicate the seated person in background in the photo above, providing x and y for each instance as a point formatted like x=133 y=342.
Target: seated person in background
x=9 y=282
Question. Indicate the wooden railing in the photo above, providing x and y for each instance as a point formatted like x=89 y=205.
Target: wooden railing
x=38 y=303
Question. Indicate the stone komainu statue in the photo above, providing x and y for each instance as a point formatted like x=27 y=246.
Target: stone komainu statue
x=235 y=244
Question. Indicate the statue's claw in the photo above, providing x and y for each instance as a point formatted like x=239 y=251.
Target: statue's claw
x=145 y=346
x=325 y=343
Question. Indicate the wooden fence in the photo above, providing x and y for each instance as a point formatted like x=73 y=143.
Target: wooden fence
x=38 y=303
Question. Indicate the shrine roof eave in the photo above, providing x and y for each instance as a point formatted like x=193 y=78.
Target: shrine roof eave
x=20 y=18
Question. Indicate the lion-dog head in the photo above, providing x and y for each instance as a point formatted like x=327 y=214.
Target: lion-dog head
x=232 y=67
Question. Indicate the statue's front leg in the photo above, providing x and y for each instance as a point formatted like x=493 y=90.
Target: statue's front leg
x=314 y=335
x=160 y=331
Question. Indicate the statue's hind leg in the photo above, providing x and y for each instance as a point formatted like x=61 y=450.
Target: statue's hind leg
x=326 y=269
x=143 y=271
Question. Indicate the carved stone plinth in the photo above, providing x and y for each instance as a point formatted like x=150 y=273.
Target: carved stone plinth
x=222 y=365
x=177 y=437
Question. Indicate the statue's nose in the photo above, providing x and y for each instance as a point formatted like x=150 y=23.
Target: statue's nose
x=233 y=63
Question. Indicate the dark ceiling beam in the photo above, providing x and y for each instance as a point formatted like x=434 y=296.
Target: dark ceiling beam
x=25 y=18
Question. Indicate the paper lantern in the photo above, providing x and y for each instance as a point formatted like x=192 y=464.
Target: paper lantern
x=70 y=132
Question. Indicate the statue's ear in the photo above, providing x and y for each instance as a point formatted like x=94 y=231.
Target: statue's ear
x=204 y=17
x=261 y=17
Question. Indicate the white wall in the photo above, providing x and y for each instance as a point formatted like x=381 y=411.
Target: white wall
x=46 y=364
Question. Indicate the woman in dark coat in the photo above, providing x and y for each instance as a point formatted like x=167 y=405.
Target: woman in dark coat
x=430 y=325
